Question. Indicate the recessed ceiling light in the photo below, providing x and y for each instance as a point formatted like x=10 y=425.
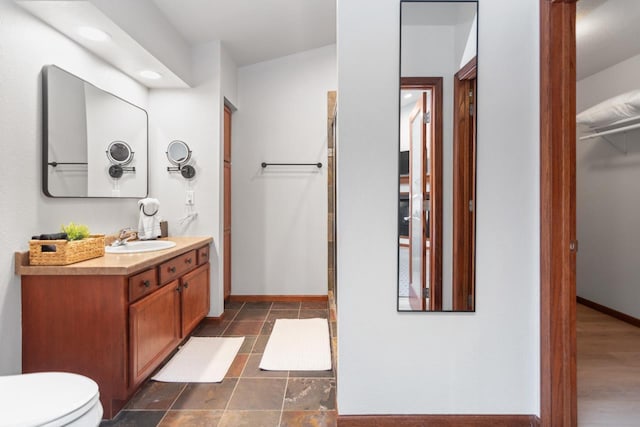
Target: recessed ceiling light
x=149 y=74
x=408 y=95
x=93 y=34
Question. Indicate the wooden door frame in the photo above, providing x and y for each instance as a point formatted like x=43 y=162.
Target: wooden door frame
x=435 y=232
x=558 y=390
x=464 y=154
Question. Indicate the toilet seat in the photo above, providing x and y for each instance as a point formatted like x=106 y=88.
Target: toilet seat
x=49 y=399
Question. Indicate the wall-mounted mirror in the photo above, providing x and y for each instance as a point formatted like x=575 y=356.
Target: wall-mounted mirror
x=436 y=197
x=179 y=154
x=80 y=123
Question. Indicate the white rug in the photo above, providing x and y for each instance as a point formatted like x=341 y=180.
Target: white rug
x=201 y=360
x=298 y=345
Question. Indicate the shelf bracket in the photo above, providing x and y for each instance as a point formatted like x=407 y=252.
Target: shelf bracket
x=614 y=145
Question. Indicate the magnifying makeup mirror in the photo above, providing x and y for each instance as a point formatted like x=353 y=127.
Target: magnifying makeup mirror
x=119 y=154
x=179 y=154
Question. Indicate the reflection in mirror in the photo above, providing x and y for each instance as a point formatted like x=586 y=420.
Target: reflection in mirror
x=80 y=123
x=119 y=153
x=436 y=199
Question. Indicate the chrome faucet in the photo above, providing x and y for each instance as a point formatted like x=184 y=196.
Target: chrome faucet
x=124 y=235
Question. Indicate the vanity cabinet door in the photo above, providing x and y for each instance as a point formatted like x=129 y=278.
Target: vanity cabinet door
x=154 y=324
x=195 y=298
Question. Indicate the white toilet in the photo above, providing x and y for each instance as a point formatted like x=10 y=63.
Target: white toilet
x=49 y=399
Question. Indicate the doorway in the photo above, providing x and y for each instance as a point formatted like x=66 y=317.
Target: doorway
x=420 y=194
x=227 y=203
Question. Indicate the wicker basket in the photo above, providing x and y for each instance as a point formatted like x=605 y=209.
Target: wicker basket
x=66 y=252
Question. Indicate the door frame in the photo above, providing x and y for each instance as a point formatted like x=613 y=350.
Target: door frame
x=464 y=188
x=435 y=84
x=558 y=387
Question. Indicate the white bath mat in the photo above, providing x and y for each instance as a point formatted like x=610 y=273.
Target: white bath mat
x=201 y=360
x=298 y=345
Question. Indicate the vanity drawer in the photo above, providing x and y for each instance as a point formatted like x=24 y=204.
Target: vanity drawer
x=142 y=283
x=203 y=255
x=177 y=266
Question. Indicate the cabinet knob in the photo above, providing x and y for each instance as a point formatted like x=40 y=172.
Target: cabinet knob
x=172 y=269
x=178 y=289
x=186 y=285
x=188 y=260
x=146 y=283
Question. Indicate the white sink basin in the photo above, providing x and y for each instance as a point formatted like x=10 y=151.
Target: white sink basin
x=140 y=246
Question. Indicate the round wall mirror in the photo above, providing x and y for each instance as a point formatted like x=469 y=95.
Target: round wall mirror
x=178 y=152
x=119 y=153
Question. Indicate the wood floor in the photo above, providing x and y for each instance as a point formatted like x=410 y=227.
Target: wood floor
x=608 y=370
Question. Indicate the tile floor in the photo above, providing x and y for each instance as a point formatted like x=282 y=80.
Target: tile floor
x=247 y=396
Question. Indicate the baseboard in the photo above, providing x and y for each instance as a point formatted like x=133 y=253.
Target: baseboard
x=610 y=311
x=438 y=421
x=277 y=298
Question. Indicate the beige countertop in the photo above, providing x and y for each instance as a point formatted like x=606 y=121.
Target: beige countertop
x=111 y=264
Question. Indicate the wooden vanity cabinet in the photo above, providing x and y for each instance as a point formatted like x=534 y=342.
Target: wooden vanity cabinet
x=154 y=325
x=114 y=329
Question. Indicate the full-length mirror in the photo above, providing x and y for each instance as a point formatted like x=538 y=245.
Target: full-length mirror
x=94 y=143
x=436 y=194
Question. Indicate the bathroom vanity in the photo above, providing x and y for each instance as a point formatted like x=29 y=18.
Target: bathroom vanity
x=115 y=318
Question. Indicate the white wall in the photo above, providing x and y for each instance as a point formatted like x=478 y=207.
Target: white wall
x=482 y=362
x=608 y=201
x=279 y=231
x=193 y=116
x=26 y=44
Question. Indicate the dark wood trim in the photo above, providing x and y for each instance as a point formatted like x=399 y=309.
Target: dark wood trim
x=609 y=311
x=464 y=172
x=558 y=392
x=438 y=420
x=469 y=70
x=277 y=298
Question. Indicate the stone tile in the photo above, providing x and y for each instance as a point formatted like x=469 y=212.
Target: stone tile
x=309 y=419
x=267 y=328
x=246 y=314
x=237 y=366
x=250 y=419
x=264 y=305
x=258 y=394
x=252 y=369
x=310 y=394
x=247 y=345
x=234 y=305
x=230 y=314
x=206 y=395
x=243 y=328
x=282 y=314
x=135 y=419
x=155 y=395
x=287 y=305
x=332 y=314
x=324 y=305
x=261 y=343
x=315 y=313
x=334 y=329
x=191 y=419
x=312 y=374
x=211 y=329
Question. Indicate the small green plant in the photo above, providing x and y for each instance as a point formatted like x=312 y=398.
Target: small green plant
x=75 y=231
